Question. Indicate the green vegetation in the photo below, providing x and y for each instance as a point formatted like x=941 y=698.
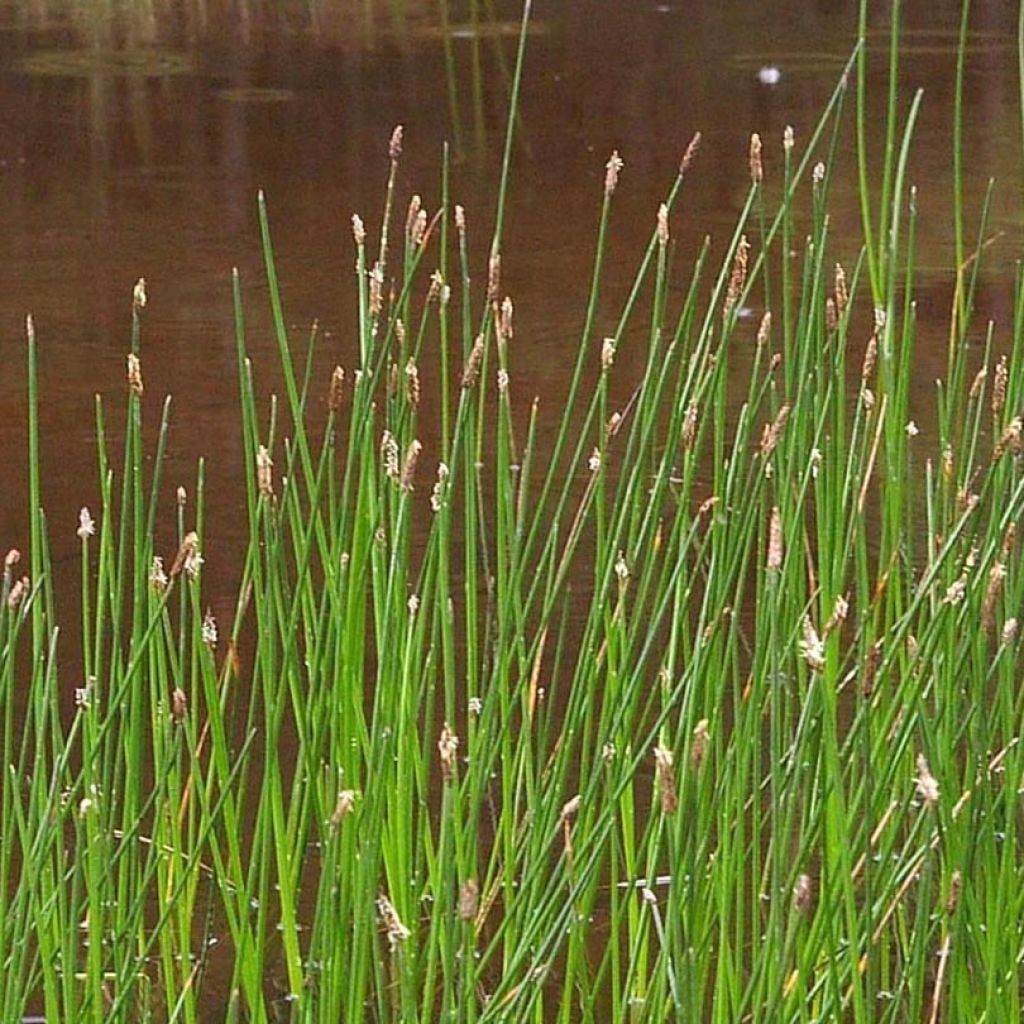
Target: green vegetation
x=706 y=708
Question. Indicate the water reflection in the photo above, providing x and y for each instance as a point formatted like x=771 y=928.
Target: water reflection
x=135 y=135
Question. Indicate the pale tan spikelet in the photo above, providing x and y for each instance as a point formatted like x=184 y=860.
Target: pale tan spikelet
x=774 y=562
x=494 y=277
x=86 y=524
x=840 y=610
x=841 y=291
x=437 y=493
x=1009 y=539
x=999 y=386
x=460 y=220
x=504 y=325
x=389 y=455
x=571 y=808
x=690 y=153
x=927 y=786
x=343 y=807
x=831 y=316
x=996 y=576
x=134 y=374
x=418 y=232
x=391 y=923
x=764 y=329
x=189 y=548
x=412 y=454
x=412 y=215
x=688 y=433
x=376 y=290
x=179 y=706
x=870 y=357
x=607 y=353
x=773 y=432
x=448 y=748
x=139 y=296
x=1010 y=440
x=662 y=229
x=264 y=472
x=471 y=371
x=978 y=383
x=699 y=748
x=738 y=276
x=469 y=900
x=395 y=145
x=335 y=392
x=157 y=576
x=756 y=164
x=788 y=139
x=358 y=230
x=412 y=382
x=612 y=169
x=17 y=592
x=665 y=774
x=803 y=895
x=811 y=647
x=871 y=663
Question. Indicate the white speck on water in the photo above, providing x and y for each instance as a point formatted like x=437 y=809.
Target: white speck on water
x=769 y=75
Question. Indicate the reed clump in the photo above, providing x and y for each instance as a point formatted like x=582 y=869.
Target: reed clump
x=704 y=708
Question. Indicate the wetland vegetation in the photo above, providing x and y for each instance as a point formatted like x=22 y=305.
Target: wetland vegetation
x=698 y=699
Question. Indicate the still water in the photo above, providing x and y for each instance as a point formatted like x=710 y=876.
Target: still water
x=134 y=137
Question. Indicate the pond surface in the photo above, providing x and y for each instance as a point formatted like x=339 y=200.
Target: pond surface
x=134 y=137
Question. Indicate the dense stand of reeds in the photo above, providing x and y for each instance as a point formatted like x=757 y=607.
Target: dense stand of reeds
x=707 y=707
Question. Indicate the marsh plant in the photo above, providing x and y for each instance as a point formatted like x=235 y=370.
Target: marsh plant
x=705 y=707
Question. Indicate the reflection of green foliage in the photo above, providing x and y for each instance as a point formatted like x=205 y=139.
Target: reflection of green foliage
x=80 y=63
x=256 y=94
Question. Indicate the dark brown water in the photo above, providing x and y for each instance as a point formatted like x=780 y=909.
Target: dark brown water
x=134 y=137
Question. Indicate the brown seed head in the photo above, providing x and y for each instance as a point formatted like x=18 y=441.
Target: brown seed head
x=773 y=432
x=179 y=706
x=803 y=895
x=999 y=386
x=469 y=900
x=756 y=166
x=665 y=774
x=412 y=382
x=395 y=145
x=334 y=393
x=842 y=293
x=612 y=170
x=448 y=747
x=264 y=472
x=738 y=277
x=662 y=225
x=344 y=806
x=412 y=453
x=494 y=277
x=691 y=152
x=471 y=371
x=391 y=923
x=927 y=786
x=699 y=749
x=134 y=374
x=774 y=563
